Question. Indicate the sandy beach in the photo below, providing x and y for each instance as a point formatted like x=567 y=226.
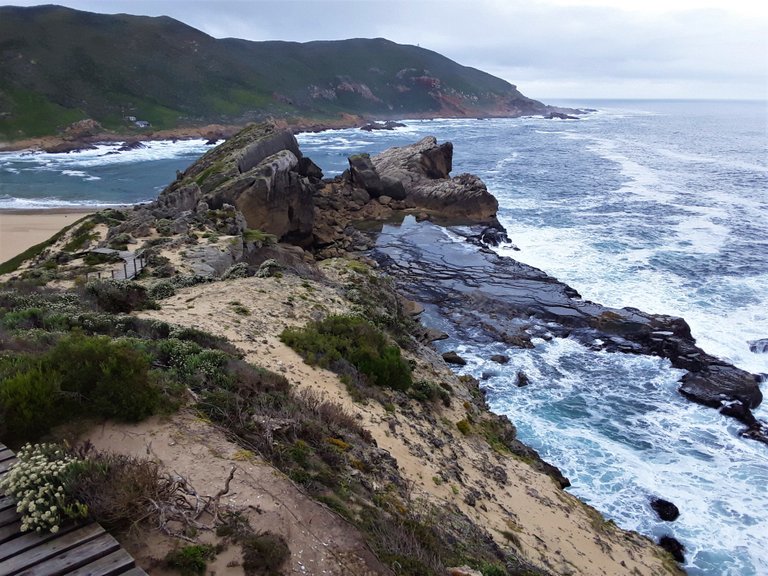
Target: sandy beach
x=21 y=229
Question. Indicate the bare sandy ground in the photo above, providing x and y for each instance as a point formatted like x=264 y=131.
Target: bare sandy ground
x=22 y=229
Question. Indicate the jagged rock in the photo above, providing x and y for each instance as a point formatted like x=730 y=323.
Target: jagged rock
x=499 y=358
x=674 y=547
x=131 y=145
x=185 y=197
x=759 y=346
x=261 y=172
x=423 y=170
x=364 y=175
x=211 y=260
x=666 y=510
x=522 y=379
x=718 y=383
x=427 y=335
x=453 y=358
x=393 y=188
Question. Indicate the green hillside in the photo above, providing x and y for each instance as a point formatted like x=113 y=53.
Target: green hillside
x=59 y=65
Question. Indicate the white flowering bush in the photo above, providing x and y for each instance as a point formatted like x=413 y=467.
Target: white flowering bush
x=38 y=483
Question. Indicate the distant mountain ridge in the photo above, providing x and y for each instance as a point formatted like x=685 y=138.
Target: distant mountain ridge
x=59 y=65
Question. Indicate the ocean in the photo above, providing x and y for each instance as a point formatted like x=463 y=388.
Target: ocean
x=658 y=205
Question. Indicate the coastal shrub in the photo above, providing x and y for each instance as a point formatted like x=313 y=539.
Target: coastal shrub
x=80 y=376
x=38 y=483
x=356 y=341
x=120 y=241
x=119 y=296
x=425 y=391
x=191 y=560
x=161 y=290
x=104 y=377
x=28 y=400
x=264 y=554
x=96 y=258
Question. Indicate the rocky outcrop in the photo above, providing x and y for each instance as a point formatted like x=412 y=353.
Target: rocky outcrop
x=492 y=298
x=424 y=169
x=262 y=173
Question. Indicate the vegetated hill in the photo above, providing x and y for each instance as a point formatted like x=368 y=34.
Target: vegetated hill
x=59 y=65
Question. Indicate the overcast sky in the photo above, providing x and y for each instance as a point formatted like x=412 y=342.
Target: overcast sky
x=551 y=49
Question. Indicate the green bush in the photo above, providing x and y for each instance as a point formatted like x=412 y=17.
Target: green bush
x=119 y=296
x=356 y=341
x=191 y=560
x=80 y=376
x=104 y=377
x=264 y=554
x=28 y=402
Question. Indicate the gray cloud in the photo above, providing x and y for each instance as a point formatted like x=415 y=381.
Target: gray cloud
x=548 y=51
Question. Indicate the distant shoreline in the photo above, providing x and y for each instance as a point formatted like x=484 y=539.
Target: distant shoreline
x=73 y=142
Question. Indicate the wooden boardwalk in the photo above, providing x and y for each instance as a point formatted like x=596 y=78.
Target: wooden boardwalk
x=76 y=550
x=130 y=266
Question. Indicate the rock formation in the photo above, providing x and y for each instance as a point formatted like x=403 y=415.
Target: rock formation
x=487 y=296
x=261 y=172
x=424 y=171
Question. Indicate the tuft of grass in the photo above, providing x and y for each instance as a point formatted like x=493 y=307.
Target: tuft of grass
x=263 y=238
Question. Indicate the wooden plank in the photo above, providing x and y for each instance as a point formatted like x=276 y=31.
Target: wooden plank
x=110 y=565
x=7 y=502
x=73 y=558
x=6 y=465
x=6 y=455
x=51 y=548
x=7 y=516
x=10 y=531
x=25 y=540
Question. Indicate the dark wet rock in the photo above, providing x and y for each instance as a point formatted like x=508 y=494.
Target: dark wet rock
x=666 y=510
x=430 y=335
x=69 y=146
x=739 y=411
x=129 y=145
x=759 y=346
x=489 y=298
x=499 y=358
x=388 y=125
x=674 y=547
x=560 y=116
x=522 y=379
x=453 y=358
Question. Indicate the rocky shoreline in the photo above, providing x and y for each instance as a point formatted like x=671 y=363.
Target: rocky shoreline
x=263 y=176
x=254 y=209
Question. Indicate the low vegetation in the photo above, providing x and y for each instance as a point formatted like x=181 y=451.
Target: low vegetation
x=352 y=347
